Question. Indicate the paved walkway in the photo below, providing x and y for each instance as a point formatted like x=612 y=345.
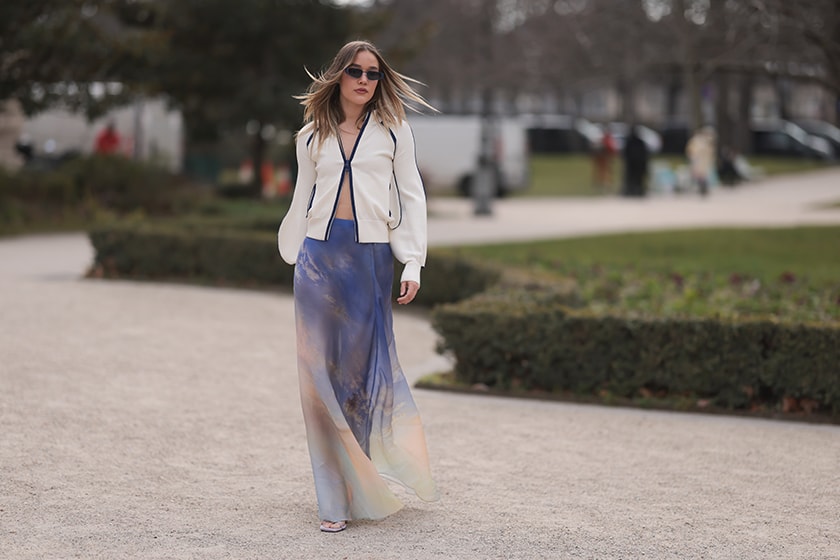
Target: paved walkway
x=780 y=201
x=157 y=421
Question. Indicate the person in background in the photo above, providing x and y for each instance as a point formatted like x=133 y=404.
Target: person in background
x=358 y=203
x=108 y=140
x=727 y=171
x=701 y=151
x=603 y=156
x=635 y=164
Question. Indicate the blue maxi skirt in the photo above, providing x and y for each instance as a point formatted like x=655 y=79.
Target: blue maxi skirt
x=362 y=425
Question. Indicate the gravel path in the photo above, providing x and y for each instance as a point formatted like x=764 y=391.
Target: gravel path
x=145 y=421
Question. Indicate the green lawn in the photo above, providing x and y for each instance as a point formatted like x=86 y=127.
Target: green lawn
x=787 y=274
x=812 y=252
x=571 y=175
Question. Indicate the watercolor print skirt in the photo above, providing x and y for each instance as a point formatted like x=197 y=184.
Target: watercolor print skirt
x=362 y=425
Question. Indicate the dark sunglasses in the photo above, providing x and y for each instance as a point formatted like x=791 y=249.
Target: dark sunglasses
x=356 y=73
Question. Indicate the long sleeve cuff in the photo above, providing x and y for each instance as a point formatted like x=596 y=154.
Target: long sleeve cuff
x=411 y=271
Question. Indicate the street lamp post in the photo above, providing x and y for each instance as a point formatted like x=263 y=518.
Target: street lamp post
x=484 y=182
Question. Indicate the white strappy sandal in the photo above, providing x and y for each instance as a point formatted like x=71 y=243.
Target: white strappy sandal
x=333 y=526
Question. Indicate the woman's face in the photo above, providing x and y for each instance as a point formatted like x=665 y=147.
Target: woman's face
x=358 y=91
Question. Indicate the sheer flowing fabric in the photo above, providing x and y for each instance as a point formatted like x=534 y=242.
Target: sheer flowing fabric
x=362 y=425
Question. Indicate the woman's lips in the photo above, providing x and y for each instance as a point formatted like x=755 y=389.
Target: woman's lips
x=361 y=90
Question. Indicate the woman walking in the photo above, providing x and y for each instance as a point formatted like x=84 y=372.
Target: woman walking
x=358 y=203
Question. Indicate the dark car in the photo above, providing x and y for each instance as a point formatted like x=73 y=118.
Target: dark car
x=675 y=138
x=551 y=134
x=651 y=138
x=823 y=130
x=784 y=138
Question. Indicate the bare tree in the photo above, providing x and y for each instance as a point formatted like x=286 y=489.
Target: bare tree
x=711 y=50
x=806 y=37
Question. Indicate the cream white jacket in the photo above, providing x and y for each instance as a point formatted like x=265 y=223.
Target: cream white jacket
x=386 y=192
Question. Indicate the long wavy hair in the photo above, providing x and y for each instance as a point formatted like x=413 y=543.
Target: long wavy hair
x=393 y=94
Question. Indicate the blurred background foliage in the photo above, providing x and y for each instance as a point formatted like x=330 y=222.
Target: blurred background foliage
x=226 y=64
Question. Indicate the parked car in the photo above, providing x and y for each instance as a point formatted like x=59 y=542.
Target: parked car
x=784 y=138
x=823 y=130
x=47 y=159
x=448 y=152
x=552 y=134
x=620 y=130
x=675 y=136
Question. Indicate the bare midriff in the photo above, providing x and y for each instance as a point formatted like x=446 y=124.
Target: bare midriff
x=344 y=210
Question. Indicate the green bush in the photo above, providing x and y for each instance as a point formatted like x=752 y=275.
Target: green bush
x=534 y=340
x=239 y=191
x=154 y=252
x=82 y=189
x=216 y=213
x=449 y=277
x=248 y=258
x=32 y=197
x=124 y=186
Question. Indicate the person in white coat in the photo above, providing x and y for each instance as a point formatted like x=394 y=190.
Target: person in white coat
x=701 y=151
x=358 y=203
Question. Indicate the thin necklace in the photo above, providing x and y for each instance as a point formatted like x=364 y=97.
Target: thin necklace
x=349 y=131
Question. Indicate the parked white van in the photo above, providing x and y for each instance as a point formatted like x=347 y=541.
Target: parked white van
x=448 y=148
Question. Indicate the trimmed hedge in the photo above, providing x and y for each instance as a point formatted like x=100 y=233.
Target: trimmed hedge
x=250 y=259
x=534 y=340
x=86 y=187
x=159 y=253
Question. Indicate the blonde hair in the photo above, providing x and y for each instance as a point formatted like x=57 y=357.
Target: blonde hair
x=322 y=105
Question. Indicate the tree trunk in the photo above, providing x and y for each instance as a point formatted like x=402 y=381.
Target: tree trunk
x=692 y=92
x=835 y=66
x=257 y=153
x=723 y=116
x=837 y=110
x=672 y=101
x=627 y=94
x=577 y=103
x=783 y=96
x=743 y=138
x=690 y=77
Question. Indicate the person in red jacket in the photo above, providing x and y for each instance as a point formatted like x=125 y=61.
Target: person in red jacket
x=603 y=156
x=108 y=140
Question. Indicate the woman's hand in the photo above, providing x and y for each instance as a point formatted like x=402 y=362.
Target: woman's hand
x=408 y=290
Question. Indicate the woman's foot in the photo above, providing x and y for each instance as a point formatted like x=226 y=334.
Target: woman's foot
x=333 y=526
